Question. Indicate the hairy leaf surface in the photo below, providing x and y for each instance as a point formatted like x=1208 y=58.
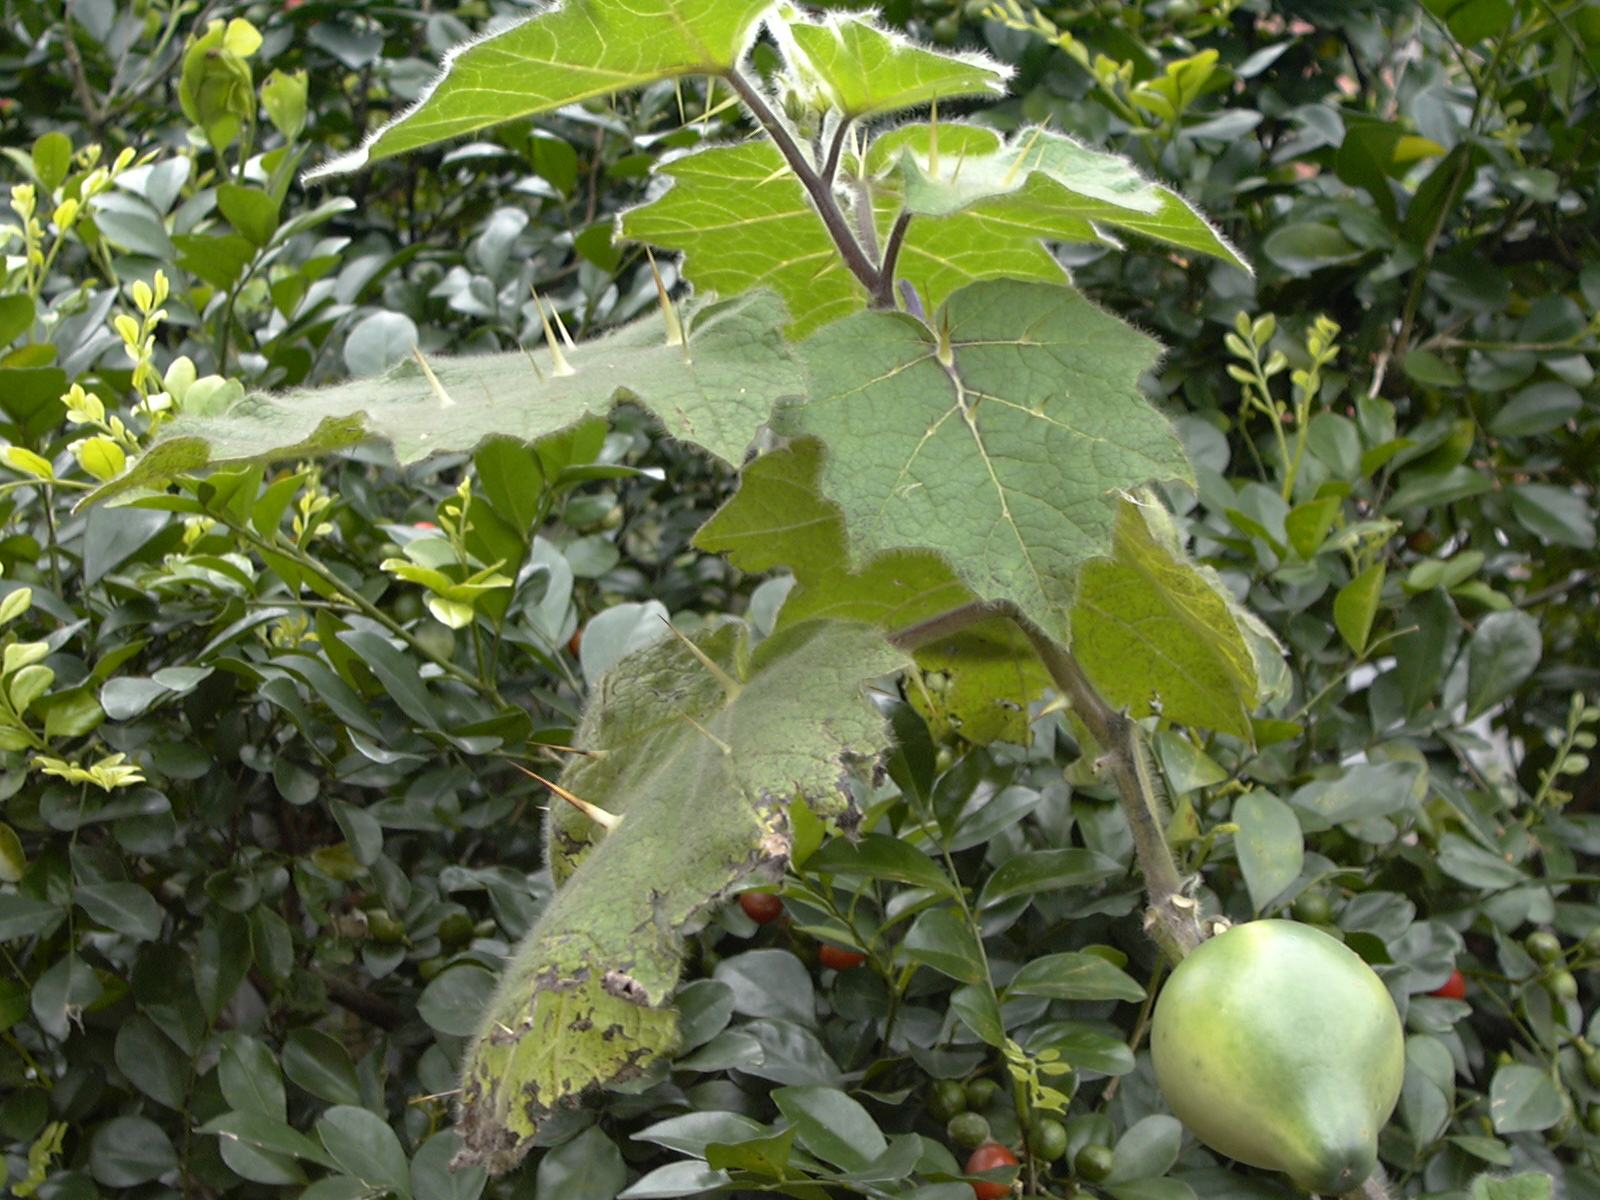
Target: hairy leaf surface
x=1041 y=182
x=702 y=776
x=858 y=68
x=1004 y=449
x=715 y=395
x=571 y=52
x=978 y=683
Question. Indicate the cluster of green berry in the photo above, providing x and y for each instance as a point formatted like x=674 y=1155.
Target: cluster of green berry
x=962 y=1107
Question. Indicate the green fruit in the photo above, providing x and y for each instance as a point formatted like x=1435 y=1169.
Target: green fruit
x=1093 y=1162
x=384 y=929
x=1563 y=985
x=946 y=1099
x=456 y=930
x=1277 y=1046
x=1592 y=1118
x=980 y=1092
x=1543 y=945
x=1591 y=1068
x=1047 y=1140
x=1313 y=908
x=435 y=640
x=967 y=1130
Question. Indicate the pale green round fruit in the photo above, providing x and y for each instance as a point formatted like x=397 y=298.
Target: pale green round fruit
x=1278 y=1046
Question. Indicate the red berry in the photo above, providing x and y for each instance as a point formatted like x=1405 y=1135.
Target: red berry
x=761 y=907
x=423 y=525
x=1454 y=988
x=840 y=959
x=988 y=1158
x=574 y=642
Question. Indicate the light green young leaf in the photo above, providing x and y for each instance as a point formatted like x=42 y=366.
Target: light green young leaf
x=715 y=393
x=568 y=53
x=701 y=767
x=1042 y=182
x=1356 y=605
x=744 y=222
x=1008 y=460
x=1150 y=628
x=857 y=68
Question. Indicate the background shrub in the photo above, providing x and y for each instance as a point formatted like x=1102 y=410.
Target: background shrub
x=265 y=841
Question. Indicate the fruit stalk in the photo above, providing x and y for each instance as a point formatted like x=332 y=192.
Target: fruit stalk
x=1173 y=916
x=1376 y=1187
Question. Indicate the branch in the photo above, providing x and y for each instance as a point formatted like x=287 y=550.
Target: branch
x=819 y=189
x=1173 y=917
x=884 y=296
x=830 y=169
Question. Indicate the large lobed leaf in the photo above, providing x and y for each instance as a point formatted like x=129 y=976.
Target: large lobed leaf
x=702 y=777
x=715 y=392
x=1002 y=442
x=1151 y=629
x=580 y=49
x=570 y=52
x=980 y=681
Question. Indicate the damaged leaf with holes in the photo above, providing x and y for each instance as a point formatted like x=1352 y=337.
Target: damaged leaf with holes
x=699 y=750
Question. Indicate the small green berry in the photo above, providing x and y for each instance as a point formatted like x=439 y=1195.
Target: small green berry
x=1092 y=1162
x=1563 y=985
x=1047 y=1140
x=1313 y=908
x=980 y=1092
x=967 y=1130
x=946 y=1098
x=1543 y=945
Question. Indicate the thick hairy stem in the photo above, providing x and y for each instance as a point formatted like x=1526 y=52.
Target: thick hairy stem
x=818 y=188
x=1173 y=916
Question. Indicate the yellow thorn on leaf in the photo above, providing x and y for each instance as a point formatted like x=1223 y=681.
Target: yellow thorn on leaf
x=558 y=361
x=668 y=313
x=721 y=745
x=731 y=687
x=606 y=820
x=433 y=380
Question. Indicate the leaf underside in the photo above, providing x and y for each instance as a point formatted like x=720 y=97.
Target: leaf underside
x=702 y=781
x=1152 y=630
x=716 y=396
x=571 y=52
